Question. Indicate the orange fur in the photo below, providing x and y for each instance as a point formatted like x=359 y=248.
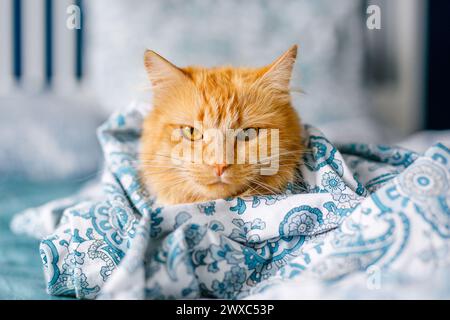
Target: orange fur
x=220 y=98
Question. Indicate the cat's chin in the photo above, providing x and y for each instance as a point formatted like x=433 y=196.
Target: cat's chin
x=218 y=189
x=221 y=190
x=218 y=184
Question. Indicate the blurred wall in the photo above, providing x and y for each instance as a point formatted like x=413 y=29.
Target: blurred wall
x=249 y=33
x=395 y=64
x=332 y=45
x=38 y=51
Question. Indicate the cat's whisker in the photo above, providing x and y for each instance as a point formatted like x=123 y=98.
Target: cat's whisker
x=95 y=174
x=297 y=90
x=165 y=156
x=158 y=155
x=265 y=186
x=176 y=159
x=141 y=167
x=167 y=178
x=290 y=153
x=258 y=193
x=158 y=163
x=281 y=162
x=254 y=192
x=171 y=185
x=159 y=172
x=295 y=152
x=158 y=166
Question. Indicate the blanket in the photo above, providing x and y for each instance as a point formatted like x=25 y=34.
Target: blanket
x=360 y=215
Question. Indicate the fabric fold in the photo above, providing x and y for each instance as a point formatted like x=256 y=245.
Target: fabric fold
x=355 y=207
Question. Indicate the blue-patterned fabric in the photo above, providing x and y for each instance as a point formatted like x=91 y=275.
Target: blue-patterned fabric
x=356 y=206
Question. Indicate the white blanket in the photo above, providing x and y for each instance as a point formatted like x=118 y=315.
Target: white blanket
x=363 y=220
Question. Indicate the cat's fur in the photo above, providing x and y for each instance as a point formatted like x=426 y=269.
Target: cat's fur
x=221 y=98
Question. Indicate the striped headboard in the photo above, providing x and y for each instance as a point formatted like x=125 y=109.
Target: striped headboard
x=37 y=49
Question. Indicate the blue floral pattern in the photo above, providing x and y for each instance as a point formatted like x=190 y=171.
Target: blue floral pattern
x=332 y=183
x=207 y=208
x=352 y=207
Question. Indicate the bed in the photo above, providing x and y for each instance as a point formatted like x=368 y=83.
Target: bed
x=67 y=126
x=21 y=275
x=369 y=221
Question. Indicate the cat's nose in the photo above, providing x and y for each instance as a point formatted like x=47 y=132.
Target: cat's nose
x=219 y=169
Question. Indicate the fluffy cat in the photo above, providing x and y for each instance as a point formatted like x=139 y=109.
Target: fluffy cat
x=189 y=101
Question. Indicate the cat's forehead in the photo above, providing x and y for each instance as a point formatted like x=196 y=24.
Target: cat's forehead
x=218 y=111
x=220 y=96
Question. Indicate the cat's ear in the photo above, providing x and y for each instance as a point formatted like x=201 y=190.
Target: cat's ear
x=162 y=73
x=278 y=74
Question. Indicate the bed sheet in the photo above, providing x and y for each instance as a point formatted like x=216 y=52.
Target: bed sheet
x=21 y=275
x=357 y=207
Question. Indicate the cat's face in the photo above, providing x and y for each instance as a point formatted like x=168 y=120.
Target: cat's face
x=221 y=132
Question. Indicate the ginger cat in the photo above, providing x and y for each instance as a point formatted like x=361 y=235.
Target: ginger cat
x=195 y=109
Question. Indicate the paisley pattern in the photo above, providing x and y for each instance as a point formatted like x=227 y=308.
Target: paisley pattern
x=354 y=207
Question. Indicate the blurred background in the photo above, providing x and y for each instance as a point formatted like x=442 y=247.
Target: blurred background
x=64 y=69
x=66 y=65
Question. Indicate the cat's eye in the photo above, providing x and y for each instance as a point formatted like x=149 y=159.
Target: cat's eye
x=247 y=134
x=191 y=133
